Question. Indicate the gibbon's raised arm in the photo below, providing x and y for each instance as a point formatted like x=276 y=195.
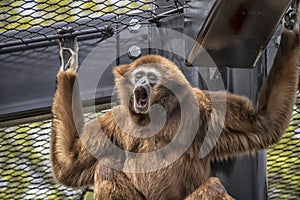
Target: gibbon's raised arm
x=69 y=157
x=72 y=164
x=247 y=129
x=75 y=147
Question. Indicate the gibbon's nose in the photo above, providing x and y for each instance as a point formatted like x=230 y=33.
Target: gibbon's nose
x=142 y=82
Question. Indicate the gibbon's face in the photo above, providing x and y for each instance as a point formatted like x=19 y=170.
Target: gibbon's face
x=150 y=80
x=144 y=80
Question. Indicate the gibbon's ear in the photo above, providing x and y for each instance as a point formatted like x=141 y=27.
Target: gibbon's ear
x=121 y=70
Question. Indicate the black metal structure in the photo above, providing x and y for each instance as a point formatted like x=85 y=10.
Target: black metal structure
x=239 y=30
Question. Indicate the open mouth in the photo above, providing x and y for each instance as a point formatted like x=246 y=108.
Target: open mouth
x=141 y=97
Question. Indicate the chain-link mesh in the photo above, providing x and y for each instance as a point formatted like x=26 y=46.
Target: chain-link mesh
x=32 y=22
x=20 y=16
x=25 y=163
x=284 y=161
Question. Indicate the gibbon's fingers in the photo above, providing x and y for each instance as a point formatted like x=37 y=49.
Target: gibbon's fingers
x=68 y=51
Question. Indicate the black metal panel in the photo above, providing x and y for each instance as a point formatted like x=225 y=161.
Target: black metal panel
x=236 y=32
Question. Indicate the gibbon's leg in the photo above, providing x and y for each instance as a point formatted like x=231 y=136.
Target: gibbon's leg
x=111 y=184
x=211 y=189
x=247 y=129
x=72 y=164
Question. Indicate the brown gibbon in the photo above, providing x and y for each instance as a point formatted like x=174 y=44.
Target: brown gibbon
x=160 y=125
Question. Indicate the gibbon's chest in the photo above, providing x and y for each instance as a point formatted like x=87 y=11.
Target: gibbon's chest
x=171 y=180
x=160 y=171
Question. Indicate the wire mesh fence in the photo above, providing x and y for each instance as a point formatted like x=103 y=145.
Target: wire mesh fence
x=38 y=22
x=33 y=22
x=25 y=163
x=283 y=161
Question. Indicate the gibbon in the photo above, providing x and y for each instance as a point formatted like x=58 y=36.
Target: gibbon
x=153 y=86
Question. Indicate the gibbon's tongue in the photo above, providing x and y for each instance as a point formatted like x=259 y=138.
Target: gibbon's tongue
x=141 y=96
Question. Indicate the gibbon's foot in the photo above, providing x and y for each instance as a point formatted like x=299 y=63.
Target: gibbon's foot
x=211 y=189
x=114 y=185
x=68 y=49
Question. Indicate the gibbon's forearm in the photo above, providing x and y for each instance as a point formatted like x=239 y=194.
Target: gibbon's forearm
x=278 y=92
x=69 y=158
x=247 y=129
x=277 y=95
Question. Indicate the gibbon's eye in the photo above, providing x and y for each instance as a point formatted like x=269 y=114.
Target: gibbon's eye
x=139 y=75
x=152 y=78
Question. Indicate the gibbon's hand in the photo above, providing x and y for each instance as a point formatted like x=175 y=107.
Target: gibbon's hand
x=68 y=51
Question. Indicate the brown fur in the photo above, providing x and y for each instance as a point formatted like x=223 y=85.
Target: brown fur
x=211 y=189
x=245 y=130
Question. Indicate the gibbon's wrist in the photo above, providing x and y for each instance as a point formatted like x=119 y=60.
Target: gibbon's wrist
x=290 y=39
x=66 y=76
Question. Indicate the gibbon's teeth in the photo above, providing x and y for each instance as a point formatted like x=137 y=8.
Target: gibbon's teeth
x=142 y=103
